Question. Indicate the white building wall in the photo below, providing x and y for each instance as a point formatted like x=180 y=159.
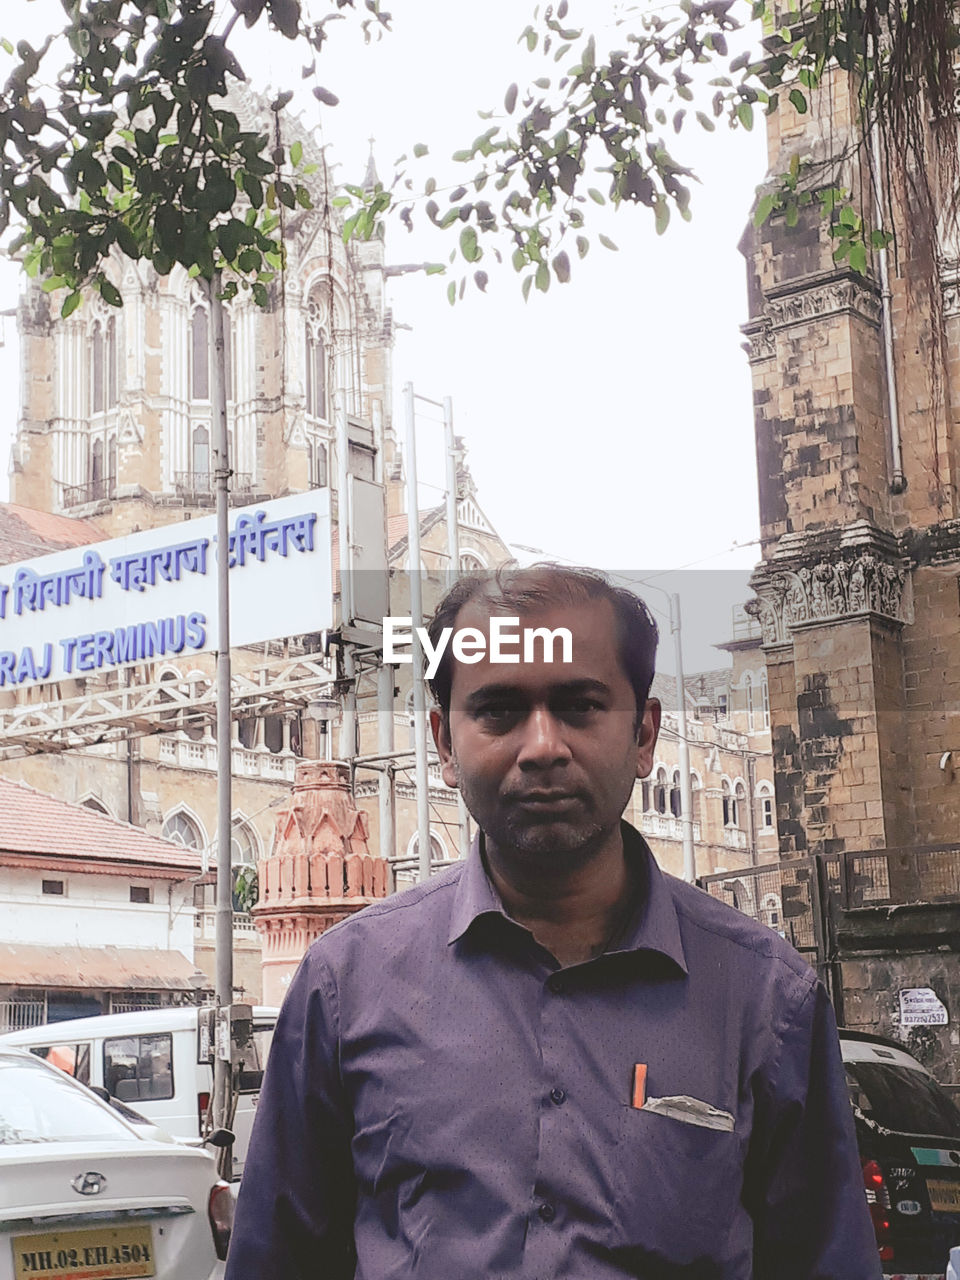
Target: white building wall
x=95 y=911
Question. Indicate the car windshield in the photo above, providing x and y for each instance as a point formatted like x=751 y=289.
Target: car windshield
x=902 y=1099
x=38 y=1104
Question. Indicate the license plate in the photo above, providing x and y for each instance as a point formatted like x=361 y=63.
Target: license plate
x=109 y=1253
x=944 y=1196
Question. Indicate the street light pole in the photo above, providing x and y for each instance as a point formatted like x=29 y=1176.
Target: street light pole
x=683 y=753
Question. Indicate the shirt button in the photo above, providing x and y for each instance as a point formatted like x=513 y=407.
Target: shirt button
x=547 y=1212
x=556 y=985
x=557 y=1097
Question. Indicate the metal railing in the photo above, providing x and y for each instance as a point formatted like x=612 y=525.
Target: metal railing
x=202 y=484
x=901 y=876
x=17 y=1015
x=77 y=495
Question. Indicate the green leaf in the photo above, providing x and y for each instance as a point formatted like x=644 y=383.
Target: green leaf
x=110 y=294
x=798 y=100
x=525 y=287
x=52 y=283
x=607 y=243
x=561 y=267
x=434 y=268
x=583 y=246
x=745 y=114
x=70 y=304
x=765 y=206
x=661 y=216
x=595 y=196
x=542 y=279
x=296 y=153
x=127 y=241
x=452 y=292
x=858 y=257
x=510 y=99
x=420 y=150
x=468 y=244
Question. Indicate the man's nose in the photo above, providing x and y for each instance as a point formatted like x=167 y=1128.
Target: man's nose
x=544 y=743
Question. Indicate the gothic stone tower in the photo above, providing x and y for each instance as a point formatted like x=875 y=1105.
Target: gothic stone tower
x=857 y=592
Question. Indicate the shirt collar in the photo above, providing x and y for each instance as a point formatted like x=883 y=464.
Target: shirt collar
x=654 y=926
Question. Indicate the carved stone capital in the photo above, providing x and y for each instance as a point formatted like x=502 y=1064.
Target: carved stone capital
x=818 y=297
x=760 y=342
x=851 y=583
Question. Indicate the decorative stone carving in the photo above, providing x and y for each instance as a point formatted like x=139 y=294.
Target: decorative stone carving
x=844 y=587
x=319 y=871
x=828 y=298
x=761 y=344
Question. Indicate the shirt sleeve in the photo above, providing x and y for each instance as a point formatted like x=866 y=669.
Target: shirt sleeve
x=804 y=1180
x=295 y=1211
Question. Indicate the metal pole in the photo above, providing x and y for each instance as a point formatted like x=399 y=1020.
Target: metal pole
x=453 y=551
x=348 y=719
x=416 y=614
x=386 y=789
x=683 y=753
x=224 y=904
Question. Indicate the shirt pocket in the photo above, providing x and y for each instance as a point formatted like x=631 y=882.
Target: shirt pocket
x=678 y=1188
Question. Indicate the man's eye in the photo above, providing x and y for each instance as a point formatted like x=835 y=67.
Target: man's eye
x=580 y=706
x=497 y=712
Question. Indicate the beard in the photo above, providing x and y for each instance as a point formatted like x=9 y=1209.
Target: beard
x=573 y=834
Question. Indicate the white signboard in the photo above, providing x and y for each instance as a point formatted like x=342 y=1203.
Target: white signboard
x=154 y=594
x=921 y=1007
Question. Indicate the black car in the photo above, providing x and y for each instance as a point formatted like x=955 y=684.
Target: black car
x=908 y=1132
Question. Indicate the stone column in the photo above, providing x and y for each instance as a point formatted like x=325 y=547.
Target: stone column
x=319 y=871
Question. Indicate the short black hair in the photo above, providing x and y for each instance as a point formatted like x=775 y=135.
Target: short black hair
x=513 y=590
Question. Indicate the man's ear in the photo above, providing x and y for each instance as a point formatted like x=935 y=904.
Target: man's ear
x=440 y=728
x=648 y=731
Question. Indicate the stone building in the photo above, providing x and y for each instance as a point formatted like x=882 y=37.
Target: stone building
x=857 y=590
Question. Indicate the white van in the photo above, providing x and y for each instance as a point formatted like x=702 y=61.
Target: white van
x=155 y=1061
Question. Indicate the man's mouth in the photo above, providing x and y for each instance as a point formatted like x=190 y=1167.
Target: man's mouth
x=542 y=801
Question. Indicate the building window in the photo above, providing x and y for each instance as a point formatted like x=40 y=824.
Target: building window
x=675 y=804
x=316 y=380
x=201 y=452
x=140 y=893
x=318 y=465
x=645 y=795
x=660 y=791
x=199 y=355
x=471 y=563
x=765 y=700
x=54 y=887
x=181 y=829
x=748 y=685
x=721 y=706
x=731 y=814
x=765 y=796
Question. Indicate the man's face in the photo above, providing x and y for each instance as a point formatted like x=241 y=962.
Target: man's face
x=545 y=754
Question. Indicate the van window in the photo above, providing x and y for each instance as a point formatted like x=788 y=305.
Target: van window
x=74 y=1059
x=902 y=1099
x=139 y=1068
x=253 y=1059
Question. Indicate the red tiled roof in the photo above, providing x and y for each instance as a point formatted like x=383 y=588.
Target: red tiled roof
x=128 y=968
x=34 y=823
x=25 y=533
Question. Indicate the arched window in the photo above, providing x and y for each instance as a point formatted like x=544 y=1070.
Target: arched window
x=316 y=379
x=471 y=563
x=111 y=369
x=765 y=801
x=730 y=816
x=660 y=791
x=771 y=912
x=739 y=796
x=645 y=790
x=438 y=852
x=675 y=798
x=765 y=700
x=111 y=465
x=243 y=846
x=96 y=470
x=182 y=830
x=748 y=685
x=318 y=465
x=199 y=355
x=201 y=454
x=695 y=788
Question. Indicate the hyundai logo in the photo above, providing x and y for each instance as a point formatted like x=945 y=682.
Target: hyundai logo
x=89 y=1184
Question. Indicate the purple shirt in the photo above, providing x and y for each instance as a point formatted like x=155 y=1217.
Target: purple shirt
x=443 y=1101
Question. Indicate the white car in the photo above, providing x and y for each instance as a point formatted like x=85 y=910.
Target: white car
x=84 y=1193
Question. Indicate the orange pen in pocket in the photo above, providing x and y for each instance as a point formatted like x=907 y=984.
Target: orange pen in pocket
x=639 y=1084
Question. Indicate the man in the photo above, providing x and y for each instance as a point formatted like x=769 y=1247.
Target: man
x=552 y=1060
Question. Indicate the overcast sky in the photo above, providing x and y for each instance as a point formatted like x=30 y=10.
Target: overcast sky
x=608 y=422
